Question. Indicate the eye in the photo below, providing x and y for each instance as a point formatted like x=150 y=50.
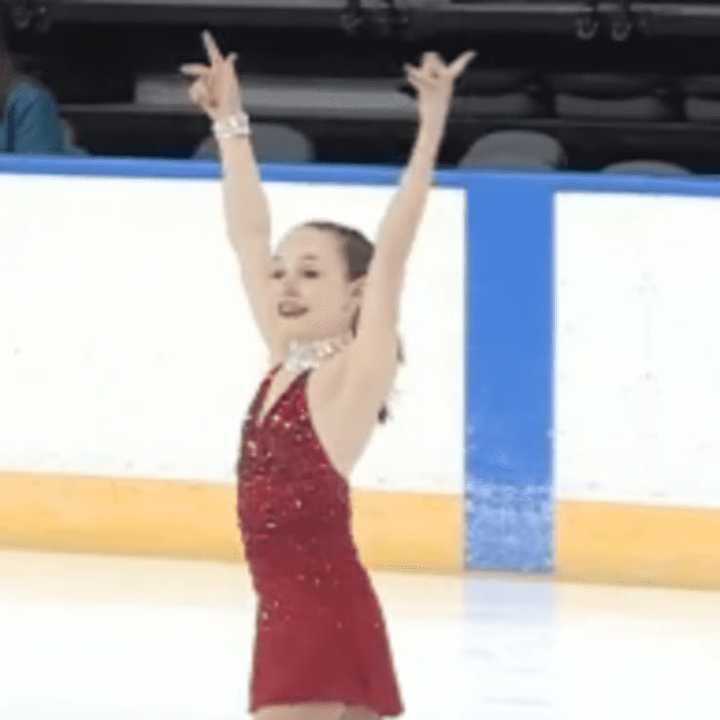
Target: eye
x=311 y=273
x=277 y=274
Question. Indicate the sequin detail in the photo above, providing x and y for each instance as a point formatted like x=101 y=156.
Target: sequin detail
x=320 y=631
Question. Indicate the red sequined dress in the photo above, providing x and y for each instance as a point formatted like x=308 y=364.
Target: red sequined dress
x=320 y=632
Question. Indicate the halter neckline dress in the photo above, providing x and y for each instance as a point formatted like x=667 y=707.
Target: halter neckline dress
x=320 y=634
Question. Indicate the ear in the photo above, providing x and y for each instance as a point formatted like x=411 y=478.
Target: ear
x=357 y=288
x=355 y=294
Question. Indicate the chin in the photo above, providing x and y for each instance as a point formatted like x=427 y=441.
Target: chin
x=303 y=329
x=295 y=328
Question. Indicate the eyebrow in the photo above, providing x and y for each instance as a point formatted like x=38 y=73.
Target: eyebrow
x=307 y=256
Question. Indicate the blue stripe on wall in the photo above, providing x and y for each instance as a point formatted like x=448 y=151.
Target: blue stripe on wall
x=509 y=509
x=198 y=170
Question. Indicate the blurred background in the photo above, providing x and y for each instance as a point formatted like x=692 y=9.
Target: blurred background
x=589 y=84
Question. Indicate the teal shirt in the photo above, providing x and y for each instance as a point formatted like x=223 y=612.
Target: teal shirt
x=31 y=123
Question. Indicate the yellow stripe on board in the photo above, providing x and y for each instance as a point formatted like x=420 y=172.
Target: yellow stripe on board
x=631 y=544
x=68 y=513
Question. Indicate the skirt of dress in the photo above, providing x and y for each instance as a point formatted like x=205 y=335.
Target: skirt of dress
x=322 y=638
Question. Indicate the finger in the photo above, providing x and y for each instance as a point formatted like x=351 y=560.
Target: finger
x=196 y=98
x=230 y=63
x=195 y=70
x=419 y=73
x=421 y=78
x=212 y=49
x=457 y=67
x=431 y=58
x=200 y=94
x=414 y=84
x=433 y=63
x=197 y=92
x=408 y=68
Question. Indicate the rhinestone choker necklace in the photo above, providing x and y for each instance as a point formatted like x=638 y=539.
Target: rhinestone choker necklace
x=310 y=355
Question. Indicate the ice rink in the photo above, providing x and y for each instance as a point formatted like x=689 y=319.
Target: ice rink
x=116 y=638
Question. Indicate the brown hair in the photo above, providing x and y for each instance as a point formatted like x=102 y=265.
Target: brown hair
x=357 y=251
x=7 y=68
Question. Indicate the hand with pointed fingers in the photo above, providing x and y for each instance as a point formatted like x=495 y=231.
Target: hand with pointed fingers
x=215 y=88
x=434 y=82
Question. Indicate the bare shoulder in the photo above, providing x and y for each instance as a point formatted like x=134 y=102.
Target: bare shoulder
x=344 y=407
x=349 y=384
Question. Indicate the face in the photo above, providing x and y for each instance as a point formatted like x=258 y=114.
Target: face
x=312 y=295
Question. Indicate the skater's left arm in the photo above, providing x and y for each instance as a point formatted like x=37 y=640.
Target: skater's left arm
x=375 y=346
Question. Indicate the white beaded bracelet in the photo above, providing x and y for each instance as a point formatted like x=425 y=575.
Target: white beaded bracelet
x=237 y=125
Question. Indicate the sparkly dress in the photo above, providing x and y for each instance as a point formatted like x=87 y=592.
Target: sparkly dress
x=320 y=633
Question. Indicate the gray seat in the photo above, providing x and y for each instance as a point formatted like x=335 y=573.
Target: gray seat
x=515 y=149
x=271 y=142
x=494 y=81
x=600 y=85
x=647 y=107
x=701 y=85
x=514 y=105
x=702 y=109
x=646 y=167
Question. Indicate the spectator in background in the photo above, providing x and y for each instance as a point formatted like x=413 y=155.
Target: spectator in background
x=29 y=118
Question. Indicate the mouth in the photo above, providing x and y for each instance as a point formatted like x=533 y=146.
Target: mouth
x=289 y=309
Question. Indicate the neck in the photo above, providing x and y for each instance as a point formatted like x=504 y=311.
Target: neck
x=305 y=341
x=311 y=353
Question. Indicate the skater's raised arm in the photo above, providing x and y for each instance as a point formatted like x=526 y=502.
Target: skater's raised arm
x=217 y=91
x=375 y=345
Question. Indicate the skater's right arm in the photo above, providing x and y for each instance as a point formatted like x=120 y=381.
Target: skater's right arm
x=216 y=90
x=247 y=216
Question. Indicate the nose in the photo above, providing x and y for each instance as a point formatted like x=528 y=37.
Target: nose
x=289 y=286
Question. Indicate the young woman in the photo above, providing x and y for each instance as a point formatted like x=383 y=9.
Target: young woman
x=327 y=306
x=29 y=118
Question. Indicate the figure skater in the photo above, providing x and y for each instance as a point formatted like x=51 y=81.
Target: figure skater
x=327 y=306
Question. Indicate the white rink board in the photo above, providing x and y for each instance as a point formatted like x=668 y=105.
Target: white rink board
x=637 y=379
x=127 y=348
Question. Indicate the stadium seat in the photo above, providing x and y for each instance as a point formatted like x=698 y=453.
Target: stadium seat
x=515 y=149
x=271 y=142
